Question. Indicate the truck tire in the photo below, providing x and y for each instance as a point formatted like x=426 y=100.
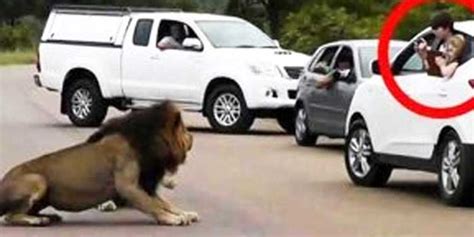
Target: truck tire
x=85 y=106
x=360 y=158
x=227 y=111
x=286 y=120
x=455 y=171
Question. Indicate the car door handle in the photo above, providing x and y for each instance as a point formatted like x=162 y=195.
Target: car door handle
x=155 y=57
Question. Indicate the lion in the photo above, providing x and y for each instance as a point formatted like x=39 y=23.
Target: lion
x=125 y=159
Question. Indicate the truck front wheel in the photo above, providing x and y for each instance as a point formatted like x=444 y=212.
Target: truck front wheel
x=227 y=110
x=85 y=106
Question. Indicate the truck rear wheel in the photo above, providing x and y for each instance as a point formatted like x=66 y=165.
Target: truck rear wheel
x=85 y=106
x=227 y=110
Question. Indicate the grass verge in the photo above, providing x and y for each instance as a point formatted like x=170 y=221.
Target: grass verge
x=17 y=57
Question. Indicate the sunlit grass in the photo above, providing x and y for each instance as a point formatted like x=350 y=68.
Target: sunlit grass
x=17 y=57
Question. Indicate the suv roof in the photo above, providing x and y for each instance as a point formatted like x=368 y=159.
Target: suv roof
x=365 y=42
x=465 y=26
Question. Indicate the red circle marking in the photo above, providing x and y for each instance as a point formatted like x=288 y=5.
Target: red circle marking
x=397 y=14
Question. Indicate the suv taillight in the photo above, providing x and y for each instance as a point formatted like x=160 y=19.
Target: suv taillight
x=471 y=82
x=38 y=65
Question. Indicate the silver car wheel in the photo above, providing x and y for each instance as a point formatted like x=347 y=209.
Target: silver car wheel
x=451 y=160
x=81 y=103
x=300 y=124
x=227 y=109
x=360 y=152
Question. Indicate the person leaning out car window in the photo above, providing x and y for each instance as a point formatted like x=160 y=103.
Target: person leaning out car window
x=344 y=71
x=449 y=61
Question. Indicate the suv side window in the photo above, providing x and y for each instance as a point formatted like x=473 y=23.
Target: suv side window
x=346 y=55
x=326 y=58
x=141 y=36
x=409 y=61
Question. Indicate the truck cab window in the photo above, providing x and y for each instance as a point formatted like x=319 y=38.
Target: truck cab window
x=141 y=36
x=171 y=34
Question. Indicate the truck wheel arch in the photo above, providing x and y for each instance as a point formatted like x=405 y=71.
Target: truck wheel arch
x=214 y=83
x=71 y=76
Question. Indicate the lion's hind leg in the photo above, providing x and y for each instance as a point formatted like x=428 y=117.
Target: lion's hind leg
x=23 y=193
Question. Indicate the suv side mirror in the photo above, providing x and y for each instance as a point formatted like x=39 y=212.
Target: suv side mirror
x=193 y=44
x=374 y=67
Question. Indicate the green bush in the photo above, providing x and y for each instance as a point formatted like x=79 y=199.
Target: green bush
x=23 y=35
x=316 y=24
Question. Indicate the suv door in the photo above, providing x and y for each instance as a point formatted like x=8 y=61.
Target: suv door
x=318 y=98
x=340 y=96
x=399 y=128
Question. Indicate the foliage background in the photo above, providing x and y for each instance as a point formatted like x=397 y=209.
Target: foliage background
x=300 y=25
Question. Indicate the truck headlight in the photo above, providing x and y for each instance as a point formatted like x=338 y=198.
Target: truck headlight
x=267 y=70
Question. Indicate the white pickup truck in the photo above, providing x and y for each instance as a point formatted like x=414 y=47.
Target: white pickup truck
x=222 y=66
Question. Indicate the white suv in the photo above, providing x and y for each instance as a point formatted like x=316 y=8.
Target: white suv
x=226 y=68
x=382 y=134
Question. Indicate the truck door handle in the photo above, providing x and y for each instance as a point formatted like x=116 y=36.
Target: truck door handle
x=155 y=57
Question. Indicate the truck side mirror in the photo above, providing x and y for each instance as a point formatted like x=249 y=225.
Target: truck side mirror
x=277 y=43
x=192 y=44
x=374 y=67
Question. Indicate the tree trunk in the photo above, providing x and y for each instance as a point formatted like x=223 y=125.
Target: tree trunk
x=273 y=18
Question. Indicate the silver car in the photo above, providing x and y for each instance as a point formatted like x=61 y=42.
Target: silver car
x=323 y=110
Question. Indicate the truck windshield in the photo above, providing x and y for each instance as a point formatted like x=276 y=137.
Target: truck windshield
x=235 y=34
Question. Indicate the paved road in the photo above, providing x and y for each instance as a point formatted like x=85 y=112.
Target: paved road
x=258 y=184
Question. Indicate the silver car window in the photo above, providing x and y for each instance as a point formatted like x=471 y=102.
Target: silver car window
x=325 y=58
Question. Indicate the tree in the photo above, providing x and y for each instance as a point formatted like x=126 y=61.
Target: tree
x=314 y=25
x=263 y=12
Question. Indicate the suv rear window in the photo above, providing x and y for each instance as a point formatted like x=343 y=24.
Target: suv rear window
x=141 y=36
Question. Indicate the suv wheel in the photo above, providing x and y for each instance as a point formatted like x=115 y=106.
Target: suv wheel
x=455 y=173
x=227 y=110
x=85 y=106
x=303 y=135
x=360 y=158
x=286 y=120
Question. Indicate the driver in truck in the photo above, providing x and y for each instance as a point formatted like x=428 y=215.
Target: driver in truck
x=174 y=39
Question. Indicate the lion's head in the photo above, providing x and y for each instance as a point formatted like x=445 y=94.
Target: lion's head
x=157 y=134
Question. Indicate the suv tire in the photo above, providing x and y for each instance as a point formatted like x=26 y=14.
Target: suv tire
x=85 y=106
x=360 y=159
x=455 y=171
x=303 y=136
x=227 y=111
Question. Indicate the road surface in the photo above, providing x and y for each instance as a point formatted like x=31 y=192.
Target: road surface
x=257 y=184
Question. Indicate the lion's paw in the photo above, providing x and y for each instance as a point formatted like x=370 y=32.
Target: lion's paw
x=172 y=220
x=109 y=206
x=192 y=216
